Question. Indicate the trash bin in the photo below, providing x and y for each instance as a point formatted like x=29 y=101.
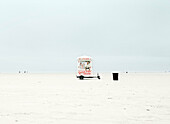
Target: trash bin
x=115 y=76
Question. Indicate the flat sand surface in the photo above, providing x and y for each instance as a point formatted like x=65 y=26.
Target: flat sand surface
x=137 y=98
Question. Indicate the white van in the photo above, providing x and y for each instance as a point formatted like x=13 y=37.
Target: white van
x=84 y=68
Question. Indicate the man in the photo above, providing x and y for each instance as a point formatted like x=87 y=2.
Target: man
x=88 y=66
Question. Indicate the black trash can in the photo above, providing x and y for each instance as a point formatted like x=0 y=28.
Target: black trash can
x=115 y=76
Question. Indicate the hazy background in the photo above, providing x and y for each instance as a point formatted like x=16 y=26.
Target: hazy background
x=48 y=35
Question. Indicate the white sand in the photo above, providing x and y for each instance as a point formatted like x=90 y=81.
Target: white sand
x=63 y=99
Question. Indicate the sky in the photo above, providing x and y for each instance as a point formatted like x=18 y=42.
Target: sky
x=49 y=35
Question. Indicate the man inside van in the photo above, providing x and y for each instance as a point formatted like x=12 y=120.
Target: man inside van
x=88 y=66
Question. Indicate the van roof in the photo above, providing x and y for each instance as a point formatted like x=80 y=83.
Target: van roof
x=84 y=57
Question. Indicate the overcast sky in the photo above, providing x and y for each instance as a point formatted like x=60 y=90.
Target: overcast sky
x=48 y=35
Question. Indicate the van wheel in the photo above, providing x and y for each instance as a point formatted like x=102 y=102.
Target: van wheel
x=98 y=77
x=81 y=77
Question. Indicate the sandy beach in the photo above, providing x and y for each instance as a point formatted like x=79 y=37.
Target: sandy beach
x=137 y=98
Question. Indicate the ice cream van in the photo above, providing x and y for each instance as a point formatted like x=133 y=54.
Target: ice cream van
x=84 y=68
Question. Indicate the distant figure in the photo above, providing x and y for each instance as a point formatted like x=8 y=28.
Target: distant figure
x=19 y=71
x=24 y=71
